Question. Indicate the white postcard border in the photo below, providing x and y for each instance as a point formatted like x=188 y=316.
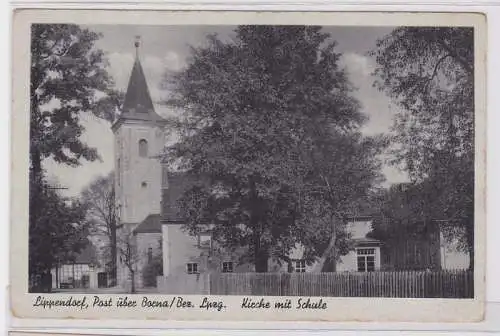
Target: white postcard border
x=339 y=309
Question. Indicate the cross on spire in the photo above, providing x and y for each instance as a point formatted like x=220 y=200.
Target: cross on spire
x=137 y=44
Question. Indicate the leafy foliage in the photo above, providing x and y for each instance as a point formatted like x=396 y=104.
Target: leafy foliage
x=430 y=73
x=68 y=77
x=152 y=269
x=269 y=123
x=57 y=233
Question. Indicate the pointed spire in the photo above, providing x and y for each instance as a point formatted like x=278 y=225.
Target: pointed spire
x=138 y=104
x=137 y=99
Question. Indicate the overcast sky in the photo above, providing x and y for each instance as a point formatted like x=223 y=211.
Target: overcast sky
x=167 y=47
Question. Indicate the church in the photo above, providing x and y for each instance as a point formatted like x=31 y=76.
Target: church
x=146 y=195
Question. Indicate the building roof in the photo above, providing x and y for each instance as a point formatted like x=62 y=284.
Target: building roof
x=173 y=188
x=359 y=217
x=152 y=224
x=172 y=191
x=366 y=241
x=138 y=104
x=177 y=184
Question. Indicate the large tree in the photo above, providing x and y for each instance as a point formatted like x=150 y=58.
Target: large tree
x=128 y=255
x=102 y=215
x=342 y=173
x=58 y=231
x=68 y=77
x=429 y=72
x=259 y=112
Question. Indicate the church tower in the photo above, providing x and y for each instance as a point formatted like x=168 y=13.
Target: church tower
x=139 y=140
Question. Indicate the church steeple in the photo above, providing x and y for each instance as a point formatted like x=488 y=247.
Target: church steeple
x=138 y=104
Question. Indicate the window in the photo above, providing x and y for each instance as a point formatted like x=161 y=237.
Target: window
x=192 y=268
x=143 y=148
x=144 y=184
x=300 y=266
x=227 y=267
x=366 y=259
x=150 y=255
x=164 y=177
x=205 y=240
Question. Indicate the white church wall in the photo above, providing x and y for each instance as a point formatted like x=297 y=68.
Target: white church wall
x=179 y=248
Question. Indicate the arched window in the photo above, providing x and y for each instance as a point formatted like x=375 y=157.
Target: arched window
x=143 y=148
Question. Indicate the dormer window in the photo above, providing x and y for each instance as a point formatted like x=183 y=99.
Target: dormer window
x=143 y=148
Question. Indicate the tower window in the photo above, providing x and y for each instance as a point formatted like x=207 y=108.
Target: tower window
x=143 y=148
x=192 y=268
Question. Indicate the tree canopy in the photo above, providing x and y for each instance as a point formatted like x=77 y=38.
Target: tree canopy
x=57 y=232
x=430 y=73
x=68 y=77
x=270 y=122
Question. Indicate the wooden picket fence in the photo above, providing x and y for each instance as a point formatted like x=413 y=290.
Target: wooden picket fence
x=403 y=284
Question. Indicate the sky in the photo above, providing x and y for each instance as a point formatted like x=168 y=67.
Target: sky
x=166 y=48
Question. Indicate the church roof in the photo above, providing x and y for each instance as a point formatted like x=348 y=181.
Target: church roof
x=152 y=224
x=178 y=183
x=138 y=104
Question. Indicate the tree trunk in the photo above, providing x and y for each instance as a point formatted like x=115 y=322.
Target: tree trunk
x=114 y=251
x=471 y=257
x=132 y=282
x=328 y=251
x=35 y=139
x=261 y=261
x=470 y=240
x=261 y=254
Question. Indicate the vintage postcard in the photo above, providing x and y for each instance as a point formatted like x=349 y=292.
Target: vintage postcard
x=248 y=166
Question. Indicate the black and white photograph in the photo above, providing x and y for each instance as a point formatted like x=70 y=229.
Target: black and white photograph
x=264 y=160
x=254 y=160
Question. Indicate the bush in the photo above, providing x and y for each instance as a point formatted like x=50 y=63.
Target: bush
x=151 y=270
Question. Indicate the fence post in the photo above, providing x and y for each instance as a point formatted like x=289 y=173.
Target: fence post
x=209 y=284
